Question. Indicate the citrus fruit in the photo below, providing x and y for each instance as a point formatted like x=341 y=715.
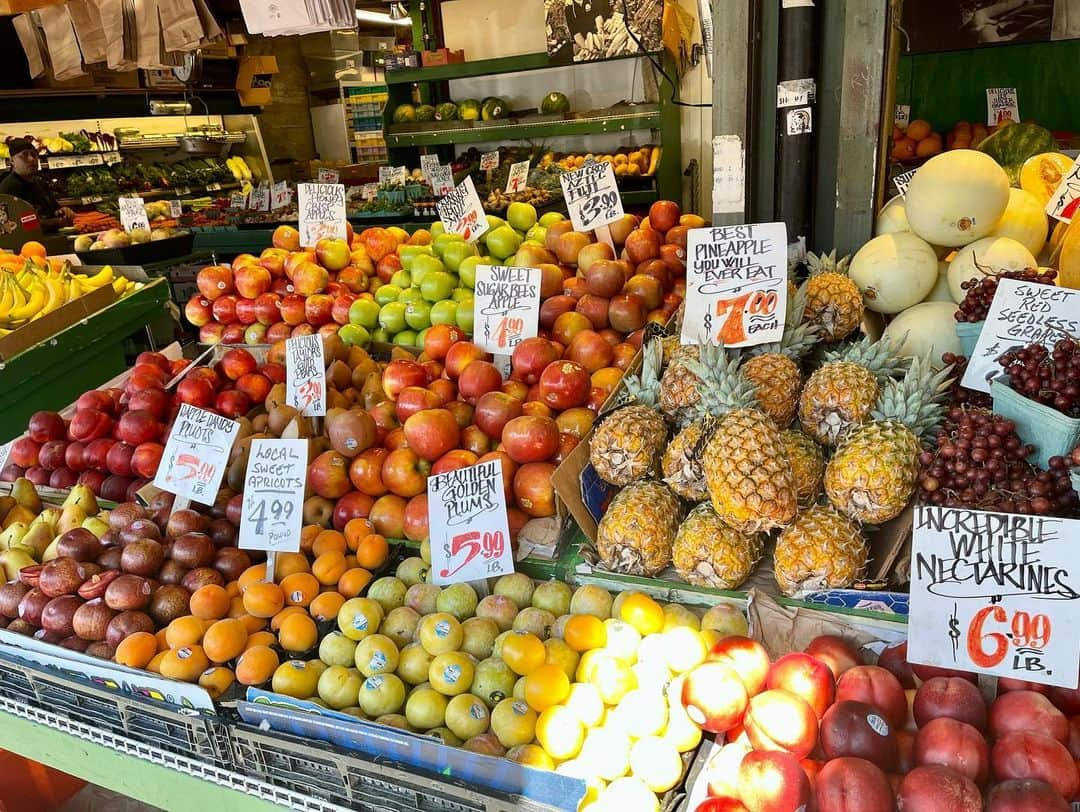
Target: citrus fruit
x=545 y=686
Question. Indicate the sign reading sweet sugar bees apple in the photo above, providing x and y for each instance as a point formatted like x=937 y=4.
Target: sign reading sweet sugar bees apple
x=322 y=212
x=273 y=496
x=196 y=454
x=996 y=593
x=736 y=284
x=506 y=307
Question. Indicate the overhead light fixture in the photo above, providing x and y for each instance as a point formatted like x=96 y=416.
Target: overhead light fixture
x=381 y=18
x=398 y=11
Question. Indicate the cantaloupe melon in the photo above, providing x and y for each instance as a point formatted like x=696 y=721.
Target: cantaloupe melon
x=928 y=330
x=956 y=198
x=1041 y=174
x=988 y=255
x=1068 y=262
x=894 y=271
x=1024 y=220
x=892 y=218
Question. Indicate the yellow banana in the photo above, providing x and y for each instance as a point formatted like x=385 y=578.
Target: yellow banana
x=7 y=296
x=18 y=293
x=57 y=296
x=103 y=277
x=32 y=306
x=73 y=289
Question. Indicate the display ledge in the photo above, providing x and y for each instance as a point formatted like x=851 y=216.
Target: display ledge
x=73 y=160
x=166 y=142
x=483 y=67
x=153 y=194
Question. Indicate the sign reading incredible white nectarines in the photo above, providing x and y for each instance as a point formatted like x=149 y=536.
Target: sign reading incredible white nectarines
x=273 y=496
x=196 y=454
x=506 y=307
x=736 y=284
x=995 y=593
x=592 y=196
x=322 y=212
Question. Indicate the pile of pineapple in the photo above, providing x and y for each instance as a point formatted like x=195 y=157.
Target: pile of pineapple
x=722 y=448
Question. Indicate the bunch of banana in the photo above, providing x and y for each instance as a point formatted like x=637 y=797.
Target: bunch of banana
x=33 y=292
x=239 y=168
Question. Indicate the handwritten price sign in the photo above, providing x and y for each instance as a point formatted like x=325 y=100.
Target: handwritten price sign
x=196 y=454
x=518 y=178
x=259 y=199
x=506 y=307
x=322 y=212
x=328 y=175
x=132 y=213
x=1001 y=104
x=462 y=213
x=470 y=537
x=273 y=495
x=995 y=593
x=279 y=195
x=489 y=161
x=305 y=374
x=592 y=196
x=736 y=280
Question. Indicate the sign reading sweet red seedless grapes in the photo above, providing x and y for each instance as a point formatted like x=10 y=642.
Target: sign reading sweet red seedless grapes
x=995 y=593
x=273 y=496
x=736 y=285
x=196 y=454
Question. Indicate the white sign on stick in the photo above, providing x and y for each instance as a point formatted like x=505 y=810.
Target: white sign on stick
x=518 y=178
x=441 y=179
x=592 y=196
x=132 y=213
x=506 y=307
x=175 y=209
x=1001 y=105
x=238 y=200
x=279 y=195
x=427 y=163
x=322 y=212
x=462 y=213
x=274 y=496
x=305 y=374
x=736 y=285
x=259 y=200
x=996 y=593
x=470 y=535
x=1066 y=197
x=489 y=160
x=196 y=454
x=1021 y=313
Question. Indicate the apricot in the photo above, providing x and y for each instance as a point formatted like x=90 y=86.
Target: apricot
x=934 y=787
x=263 y=599
x=225 y=639
x=329 y=541
x=353 y=581
x=329 y=567
x=251 y=623
x=209 y=602
x=154 y=666
x=326 y=605
x=1027 y=710
x=261 y=638
x=1031 y=755
x=216 y=680
x=954 y=697
x=184 y=631
x=136 y=650
x=875 y=686
x=278 y=619
x=777 y=720
x=852 y=785
x=252 y=575
x=256 y=665
x=300 y=588
x=372 y=551
x=953 y=744
x=288 y=563
x=298 y=633
x=185 y=663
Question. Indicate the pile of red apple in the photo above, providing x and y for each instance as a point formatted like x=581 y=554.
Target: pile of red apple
x=114 y=440
x=819 y=730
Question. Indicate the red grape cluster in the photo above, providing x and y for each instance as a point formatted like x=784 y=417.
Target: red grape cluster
x=1050 y=377
x=981 y=463
x=980 y=292
x=961 y=395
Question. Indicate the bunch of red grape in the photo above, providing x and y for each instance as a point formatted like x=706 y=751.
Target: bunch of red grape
x=980 y=292
x=981 y=463
x=1050 y=377
x=960 y=395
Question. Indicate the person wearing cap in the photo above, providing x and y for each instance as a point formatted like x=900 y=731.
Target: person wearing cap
x=23 y=182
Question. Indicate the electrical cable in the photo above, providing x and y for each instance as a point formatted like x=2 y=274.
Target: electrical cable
x=656 y=65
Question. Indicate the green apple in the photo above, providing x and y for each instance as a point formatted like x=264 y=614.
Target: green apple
x=444 y=312
x=467 y=270
x=387 y=294
x=392 y=317
x=406 y=338
x=418 y=315
x=403 y=279
x=420 y=336
x=494 y=222
x=364 y=313
x=424 y=264
x=465 y=315
x=380 y=335
x=437 y=228
x=438 y=245
x=438 y=285
x=455 y=252
x=536 y=234
x=503 y=241
x=354 y=335
x=461 y=294
x=410 y=295
x=407 y=253
x=550 y=217
x=522 y=216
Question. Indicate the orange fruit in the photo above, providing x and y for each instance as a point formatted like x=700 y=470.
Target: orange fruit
x=184 y=631
x=298 y=633
x=355 y=530
x=185 y=663
x=545 y=686
x=326 y=605
x=350 y=562
x=236 y=607
x=279 y=618
x=918 y=129
x=585 y=632
x=162 y=643
x=32 y=248
x=300 y=588
x=288 y=563
x=329 y=541
x=210 y=602
x=353 y=582
x=307 y=537
x=329 y=567
x=154 y=666
x=523 y=652
x=261 y=638
x=263 y=600
x=643 y=613
x=225 y=639
x=251 y=575
x=256 y=665
x=136 y=650
x=232 y=589
x=216 y=680
x=372 y=551
x=253 y=624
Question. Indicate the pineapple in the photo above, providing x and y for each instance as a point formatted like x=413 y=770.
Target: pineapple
x=871 y=476
x=682 y=464
x=746 y=470
x=709 y=553
x=774 y=368
x=840 y=393
x=637 y=532
x=679 y=387
x=833 y=301
x=626 y=446
x=807 y=465
x=822 y=549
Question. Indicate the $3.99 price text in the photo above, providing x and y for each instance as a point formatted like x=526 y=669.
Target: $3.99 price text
x=599 y=208
x=464 y=547
x=991 y=632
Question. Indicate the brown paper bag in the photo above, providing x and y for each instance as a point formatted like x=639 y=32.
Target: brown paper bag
x=88 y=30
x=148 y=33
x=64 y=53
x=180 y=26
x=28 y=37
x=211 y=30
x=111 y=14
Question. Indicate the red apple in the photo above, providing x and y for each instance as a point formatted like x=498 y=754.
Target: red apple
x=198 y=310
x=400 y=373
x=224 y=308
x=318 y=309
x=664 y=215
x=431 y=433
x=251 y=281
x=268 y=308
x=478 y=378
x=212 y=333
x=328 y=475
x=413 y=399
x=405 y=473
x=494 y=410
x=353 y=505
x=214 y=281
x=564 y=385
x=459 y=356
x=531 y=357
x=246 y=312
x=332 y=253
x=530 y=438
x=232 y=403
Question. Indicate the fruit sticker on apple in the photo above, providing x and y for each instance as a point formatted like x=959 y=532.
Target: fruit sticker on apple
x=592 y=196
x=738 y=278
x=470 y=535
x=462 y=213
x=196 y=454
x=273 y=496
x=322 y=212
x=506 y=307
x=305 y=374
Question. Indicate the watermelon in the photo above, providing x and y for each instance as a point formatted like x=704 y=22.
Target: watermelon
x=493 y=108
x=425 y=112
x=447 y=111
x=555 y=102
x=468 y=109
x=403 y=113
x=1012 y=145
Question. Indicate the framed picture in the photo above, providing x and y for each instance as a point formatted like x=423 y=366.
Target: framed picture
x=951 y=25
x=589 y=30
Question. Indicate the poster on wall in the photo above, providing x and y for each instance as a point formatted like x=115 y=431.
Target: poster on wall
x=952 y=25
x=588 y=30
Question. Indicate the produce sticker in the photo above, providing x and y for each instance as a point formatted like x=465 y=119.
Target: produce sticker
x=274 y=496
x=462 y=213
x=1001 y=105
x=736 y=283
x=592 y=196
x=132 y=213
x=470 y=536
x=996 y=593
x=322 y=212
x=1064 y=201
x=305 y=375
x=518 y=178
x=506 y=307
x=196 y=454
x=1021 y=313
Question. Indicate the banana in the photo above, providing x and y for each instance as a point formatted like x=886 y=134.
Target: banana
x=73 y=290
x=18 y=293
x=57 y=296
x=99 y=280
x=7 y=296
x=33 y=304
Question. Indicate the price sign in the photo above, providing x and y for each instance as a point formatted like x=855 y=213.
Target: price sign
x=132 y=213
x=274 y=496
x=5 y=451
x=183 y=191
x=592 y=196
x=213 y=187
x=736 y=282
x=328 y=175
x=279 y=195
x=470 y=536
x=259 y=199
x=462 y=213
x=196 y=454
x=322 y=212
x=1001 y=104
x=427 y=163
x=902 y=180
x=175 y=209
x=388 y=174
x=902 y=116
x=238 y=200
x=1021 y=313
x=305 y=374
x=369 y=191
x=518 y=178
x=1066 y=197
x=996 y=593
x=489 y=161
x=442 y=179
x=506 y=307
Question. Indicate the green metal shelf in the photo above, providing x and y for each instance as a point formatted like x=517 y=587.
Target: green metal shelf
x=463 y=70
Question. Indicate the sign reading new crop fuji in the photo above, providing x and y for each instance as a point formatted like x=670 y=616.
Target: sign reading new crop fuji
x=273 y=495
x=592 y=196
x=518 y=178
x=132 y=213
x=736 y=285
x=996 y=593
x=322 y=212
x=470 y=536
x=196 y=454
x=305 y=374
x=506 y=307
x=1021 y=313
x=462 y=213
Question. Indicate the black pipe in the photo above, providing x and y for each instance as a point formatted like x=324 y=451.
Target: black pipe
x=797 y=67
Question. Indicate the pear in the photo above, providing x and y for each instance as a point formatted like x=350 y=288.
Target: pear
x=37 y=538
x=24 y=493
x=82 y=496
x=14 y=560
x=52 y=551
x=72 y=517
x=13 y=534
x=19 y=515
x=96 y=526
x=6 y=504
x=49 y=517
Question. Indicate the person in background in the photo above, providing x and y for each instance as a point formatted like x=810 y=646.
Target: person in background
x=23 y=182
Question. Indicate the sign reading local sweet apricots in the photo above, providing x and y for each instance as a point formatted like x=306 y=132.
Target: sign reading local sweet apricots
x=273 y=496
x=506 y=307
x=736 y=284
x=996 y=593
x=196 y=454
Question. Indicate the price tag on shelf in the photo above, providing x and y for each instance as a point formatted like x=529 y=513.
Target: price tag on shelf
x=506 y=307
x=273 y=496
x=322 y=212
x=441 y=179
x=736 y=283
x=238 y=200
x=58 y=162
x=518 y=178
x=183 y=190
x=369 y=191
x=995 y=593
x=902 y=116
x=5 y=452
x=427 y=164
x=489 y=161
x=1001 y=105
x=470 y=535
x=279 y=195
x=111 y=158
x=462 y=213
x=175 y=209
x=328 y=175
x=592 y=196
x=259 y=200
x=213 y=187
x=132 y=213
x=196 y=454
x=86 y=201
x=902 y=180
x=305 y=375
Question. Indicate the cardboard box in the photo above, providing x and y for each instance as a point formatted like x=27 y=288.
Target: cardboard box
x=442 y=56
x=253 y=80
x=47 y=326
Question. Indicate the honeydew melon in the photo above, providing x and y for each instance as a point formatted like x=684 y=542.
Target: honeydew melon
x=956 y=197
x=894 y=271
x=1024 y=220
x=940 y=291
x=988 y=255
x=928 y=330
x=892 y=218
